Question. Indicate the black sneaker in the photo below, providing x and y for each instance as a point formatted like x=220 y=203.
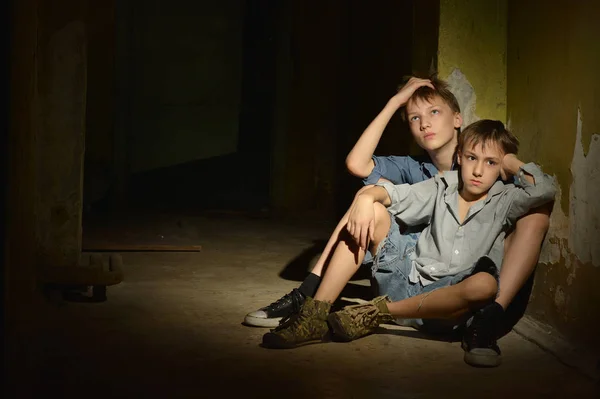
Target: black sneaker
x=479 y=340
x=269 y=316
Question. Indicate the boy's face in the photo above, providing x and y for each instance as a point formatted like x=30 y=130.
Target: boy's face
x=479 y=168
x=433 y=123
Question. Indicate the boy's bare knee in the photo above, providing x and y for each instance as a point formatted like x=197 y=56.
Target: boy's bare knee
x=480 y=287
x=382 y=223
x=382 y=216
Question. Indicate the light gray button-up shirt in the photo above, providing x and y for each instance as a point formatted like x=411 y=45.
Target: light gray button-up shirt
x=446 y=246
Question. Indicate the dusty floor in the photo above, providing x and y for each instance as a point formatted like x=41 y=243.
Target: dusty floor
x=173 y=329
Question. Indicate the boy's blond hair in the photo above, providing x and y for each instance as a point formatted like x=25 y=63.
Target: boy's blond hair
x=426 y=93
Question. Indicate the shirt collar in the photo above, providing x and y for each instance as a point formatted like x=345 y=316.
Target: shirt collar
x=427 y=166
x=496 y=189
x=429 y=169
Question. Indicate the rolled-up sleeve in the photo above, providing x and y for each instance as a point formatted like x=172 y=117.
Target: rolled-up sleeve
x=393 y=168
x=413 y=204
x=530 y=195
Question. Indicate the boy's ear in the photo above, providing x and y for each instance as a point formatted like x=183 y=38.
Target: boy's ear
x=458 y=120
x=458 y=156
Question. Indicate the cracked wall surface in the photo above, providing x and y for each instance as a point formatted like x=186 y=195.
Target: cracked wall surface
x=553 y=91
x=534 y=66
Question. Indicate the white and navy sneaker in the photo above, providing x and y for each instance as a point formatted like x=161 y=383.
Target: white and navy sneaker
x=269 y=316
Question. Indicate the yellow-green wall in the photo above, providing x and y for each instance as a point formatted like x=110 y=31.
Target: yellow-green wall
x=472 y=39
x=554 y=109
x=535 y=66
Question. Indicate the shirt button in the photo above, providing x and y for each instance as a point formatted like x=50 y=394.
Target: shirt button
x=456 y=252
x=432 y=268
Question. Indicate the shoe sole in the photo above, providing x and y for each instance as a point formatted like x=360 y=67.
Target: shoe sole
x=292 y=346
x=336 y=327
x=260 y=322
x=326 y=338
x=483 y=358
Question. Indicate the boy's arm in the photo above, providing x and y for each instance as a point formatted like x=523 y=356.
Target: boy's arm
x=360 y=159
x=395 y=169
x=412 y=203
x=534 y=187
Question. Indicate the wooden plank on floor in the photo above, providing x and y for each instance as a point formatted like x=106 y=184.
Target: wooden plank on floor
x=132 y=247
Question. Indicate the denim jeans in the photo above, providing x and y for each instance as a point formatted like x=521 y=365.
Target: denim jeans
x=391 y=267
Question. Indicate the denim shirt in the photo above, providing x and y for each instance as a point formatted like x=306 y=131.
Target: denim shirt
x=401 y=169
x=448 y=246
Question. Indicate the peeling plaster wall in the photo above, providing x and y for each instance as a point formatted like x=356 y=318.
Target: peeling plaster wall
x=553 y=107
x=534 y=65
x=472 y=56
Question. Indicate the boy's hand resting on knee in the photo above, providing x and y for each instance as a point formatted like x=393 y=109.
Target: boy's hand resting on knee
x=361 y=220
x=361 y=215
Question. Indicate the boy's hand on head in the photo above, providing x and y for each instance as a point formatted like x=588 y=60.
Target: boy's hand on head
x=361 y=221
x=404 y=94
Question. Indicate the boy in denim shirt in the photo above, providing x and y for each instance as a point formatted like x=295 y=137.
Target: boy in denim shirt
x=453 y=271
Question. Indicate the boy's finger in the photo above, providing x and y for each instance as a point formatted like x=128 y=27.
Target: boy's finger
x=372 y=230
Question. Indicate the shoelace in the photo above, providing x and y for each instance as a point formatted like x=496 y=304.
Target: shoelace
x=296 y=306
x=476 y=339
x=363 y=313
x=293 y=293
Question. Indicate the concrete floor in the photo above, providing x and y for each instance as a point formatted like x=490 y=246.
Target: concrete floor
x=173 y=329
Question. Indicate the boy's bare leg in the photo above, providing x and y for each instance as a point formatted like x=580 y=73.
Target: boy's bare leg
x=521 y=252
x=448 y=302
x=310 y=323
x=334 y=238
x=348 y=257
x=270 y=315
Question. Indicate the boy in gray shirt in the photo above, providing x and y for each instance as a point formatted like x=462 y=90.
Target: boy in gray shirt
x=453 y=271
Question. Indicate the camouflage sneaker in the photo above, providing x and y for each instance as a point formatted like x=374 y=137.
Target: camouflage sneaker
x=356 y=321
x=305 y=327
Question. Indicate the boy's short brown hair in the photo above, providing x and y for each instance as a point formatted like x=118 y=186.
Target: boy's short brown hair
x=426 y=93
x=488 y=131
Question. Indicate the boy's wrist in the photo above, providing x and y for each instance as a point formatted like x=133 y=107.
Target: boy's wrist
x=367 y=196
x=373 y=194
x=396 y=102
x=511 y=164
